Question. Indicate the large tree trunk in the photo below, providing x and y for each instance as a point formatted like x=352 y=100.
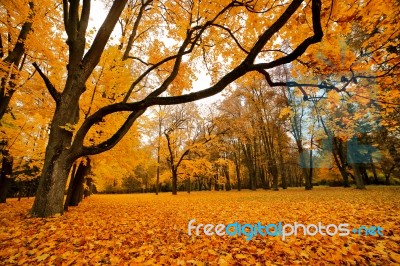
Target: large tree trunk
x=59 y=155
x=357 y=175
x=158 y=171
x=58 y=161
x=50 y=194
x=376 y=181
x=262 y=177
x=189 y=185
x=281 y=162
x=387 y=179
x=249 y=152
x=237 y=158
x=239 y=181
x=304 y=166
x=216 y=182
x=5 y=99
x=364 y=175
x=4 y=186
x=338 y=156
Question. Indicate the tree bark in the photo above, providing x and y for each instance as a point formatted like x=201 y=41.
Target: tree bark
x=338 y=155
x=237 y=166
x=376 y=181
x=78 y=182
x=228 y=178
x=174 y=182
x=59 y=155
x=70 y=187
x=5 y=176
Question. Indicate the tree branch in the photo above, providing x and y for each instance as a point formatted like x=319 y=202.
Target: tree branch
x=317 y=37
x=84 y=21
x=50 y=87
x=134 y=30
x=19 y=49
x=276 y=26
x=66 y=15
x=73 y=20
x=79 y=149
x=92 y=57
x=139 y=107
x=233 y=37
x=181 y=52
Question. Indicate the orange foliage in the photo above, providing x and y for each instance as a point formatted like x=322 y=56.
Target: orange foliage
x=152 y=230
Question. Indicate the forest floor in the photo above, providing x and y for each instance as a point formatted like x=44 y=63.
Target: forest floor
x=145 y=229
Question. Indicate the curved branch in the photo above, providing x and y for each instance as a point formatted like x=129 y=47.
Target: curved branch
x=317 y=37
x=277 y=25
x=138 y=108
x=112 y=141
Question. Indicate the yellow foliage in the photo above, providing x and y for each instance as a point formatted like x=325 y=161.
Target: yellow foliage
x=153 y=230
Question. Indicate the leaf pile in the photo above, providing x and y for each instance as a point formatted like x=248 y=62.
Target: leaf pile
x=145 y=229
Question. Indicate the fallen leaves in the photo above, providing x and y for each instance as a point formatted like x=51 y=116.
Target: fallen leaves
x=145 y=229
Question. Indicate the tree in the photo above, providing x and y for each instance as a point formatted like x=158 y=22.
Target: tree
x=185 y=134
x=18 y=48
x=11 y=64
x=197 y=31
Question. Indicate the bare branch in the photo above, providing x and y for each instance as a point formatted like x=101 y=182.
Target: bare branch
x=277 y=25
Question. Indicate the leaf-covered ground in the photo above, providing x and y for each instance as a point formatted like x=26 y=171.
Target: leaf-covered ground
x=152 y=230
